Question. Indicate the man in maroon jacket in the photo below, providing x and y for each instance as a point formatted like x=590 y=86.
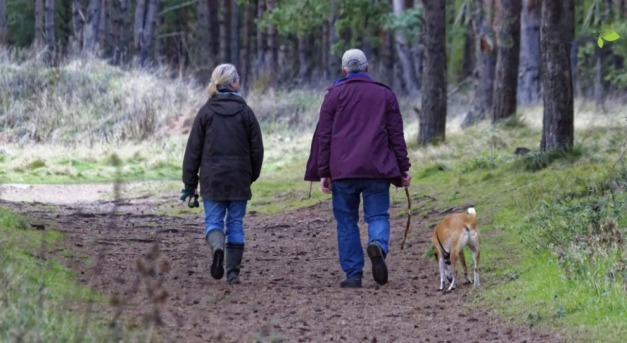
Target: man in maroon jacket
x=359 y=149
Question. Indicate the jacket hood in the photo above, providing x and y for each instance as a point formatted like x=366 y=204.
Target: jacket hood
x=227 y=104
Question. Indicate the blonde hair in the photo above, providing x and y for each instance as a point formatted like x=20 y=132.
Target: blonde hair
x=221 y=77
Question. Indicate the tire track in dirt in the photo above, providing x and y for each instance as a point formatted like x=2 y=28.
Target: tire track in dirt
x=290 y=274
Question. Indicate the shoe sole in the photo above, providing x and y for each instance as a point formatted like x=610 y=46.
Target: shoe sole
x=217 y=265
x=379 y=268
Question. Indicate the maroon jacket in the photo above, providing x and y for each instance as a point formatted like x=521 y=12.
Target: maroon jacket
x=359 y=134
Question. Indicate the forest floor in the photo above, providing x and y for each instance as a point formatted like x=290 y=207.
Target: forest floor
x=155 y=268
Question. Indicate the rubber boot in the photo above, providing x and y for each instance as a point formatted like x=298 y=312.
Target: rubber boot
x=234 y=252
x=215 y=238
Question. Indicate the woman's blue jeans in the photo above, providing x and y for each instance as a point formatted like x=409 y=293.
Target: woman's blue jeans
x=234 y=211
x=346 y=198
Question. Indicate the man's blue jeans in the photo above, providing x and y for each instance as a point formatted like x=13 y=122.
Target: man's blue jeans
x=234 y=211
x=346 y=197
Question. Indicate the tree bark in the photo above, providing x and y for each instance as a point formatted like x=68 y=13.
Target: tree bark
x=416 y=50
x=529 y=71
x=40 y=36
x=235 y=33
x=49 y=31
x=223 y=14
x=104 y=28
x=247 y=48
x=468 y=66
x=3 y=22
x=138 y=25
x=76 y=41
x=304 y=57
x=261 y=39
x=407 y=70
x=600 y=65
x=334 y=61
x=148 y=30
x=92 y=25
x=485 y=62
x=273 y=47
x=508 y=53
x=202 y=32
x=144 y=26
x=119 y=33
x=558 y=30
x=433 y=113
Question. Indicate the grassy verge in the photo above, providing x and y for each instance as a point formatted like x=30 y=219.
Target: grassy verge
x=553 y=227
x=41 y=301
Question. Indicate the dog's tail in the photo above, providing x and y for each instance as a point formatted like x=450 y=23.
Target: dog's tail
x=473 y=216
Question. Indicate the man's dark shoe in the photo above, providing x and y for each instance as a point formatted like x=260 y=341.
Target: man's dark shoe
x=351 y=283
x=379 y=269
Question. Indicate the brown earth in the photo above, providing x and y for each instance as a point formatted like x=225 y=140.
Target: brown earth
x=157 y=268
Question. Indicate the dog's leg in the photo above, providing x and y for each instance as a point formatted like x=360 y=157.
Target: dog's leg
x=442 y=272
x=462 y=259
x=475 y=258
x=453 y=271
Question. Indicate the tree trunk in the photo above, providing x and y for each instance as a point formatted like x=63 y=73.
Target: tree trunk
x=49 y=31
x=214 y=41
x=273 y=46
x=247 y=49
x=119 y=36
x=78 y=23
x=387 y=55
x=304 y=57
x=92 y=25
x=407 y=70
x=508 y=53
x=558 y=29
x=529 y=72
x=235 y=33
x=416 y=50
x=261 y=40
x=485 y=62
x=148 y=30
x=3 y=22
x=334 y=61
x=203 y=44
x=40 y=36
x=324 y=49
x=224 y=31
x=104 y=29
x=468 y=66
x=600 y=58
x=144 y=26
x=433 y=113
x=138 y=25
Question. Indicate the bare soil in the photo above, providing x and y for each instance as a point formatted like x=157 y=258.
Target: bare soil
x=156 y=269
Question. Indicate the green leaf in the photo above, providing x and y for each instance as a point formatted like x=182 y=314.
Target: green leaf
x=600 y=42
x=610 y=35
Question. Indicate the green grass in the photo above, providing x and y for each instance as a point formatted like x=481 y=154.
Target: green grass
x=573 y=284
x=41 y=300
x=36 y=292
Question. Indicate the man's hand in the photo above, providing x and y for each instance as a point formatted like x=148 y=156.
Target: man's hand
x=325 y=185
x=190 y=192
x=406 y=179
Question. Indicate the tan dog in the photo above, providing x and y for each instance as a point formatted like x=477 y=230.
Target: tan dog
x=452 y=234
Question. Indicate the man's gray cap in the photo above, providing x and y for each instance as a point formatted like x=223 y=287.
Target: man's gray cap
x=353 y=58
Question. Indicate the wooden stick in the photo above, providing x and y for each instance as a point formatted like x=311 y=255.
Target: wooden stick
x=408 y=218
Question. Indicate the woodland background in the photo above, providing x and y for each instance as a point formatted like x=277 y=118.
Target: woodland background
x=422 y=49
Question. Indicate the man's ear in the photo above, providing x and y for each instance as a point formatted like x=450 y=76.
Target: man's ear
x=366 y=70
x=344 y=72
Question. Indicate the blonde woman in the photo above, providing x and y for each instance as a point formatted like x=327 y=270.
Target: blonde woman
x=226 y=147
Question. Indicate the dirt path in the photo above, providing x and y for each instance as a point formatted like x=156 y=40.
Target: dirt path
x=290 y=274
